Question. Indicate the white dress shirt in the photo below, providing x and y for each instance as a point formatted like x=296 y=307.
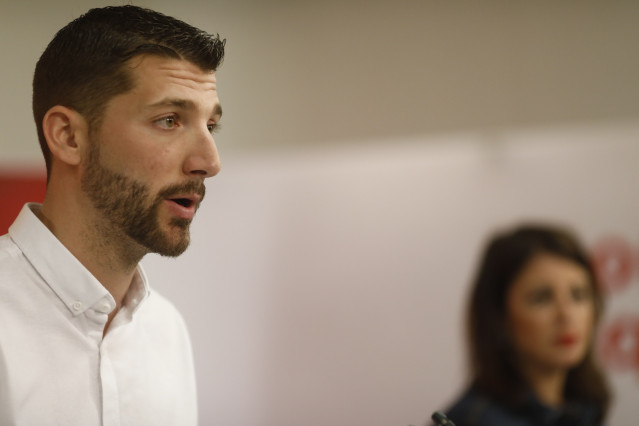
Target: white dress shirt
x=55 y=366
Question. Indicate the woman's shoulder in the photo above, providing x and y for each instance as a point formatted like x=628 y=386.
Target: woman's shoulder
x=475 y=408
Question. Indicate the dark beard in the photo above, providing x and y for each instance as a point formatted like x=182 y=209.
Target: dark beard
x=130 y=207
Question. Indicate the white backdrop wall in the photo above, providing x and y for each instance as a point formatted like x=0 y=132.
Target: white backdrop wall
x=327 y=286
x=329 y=267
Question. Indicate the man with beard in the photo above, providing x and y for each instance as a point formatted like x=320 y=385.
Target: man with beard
x=125 y=104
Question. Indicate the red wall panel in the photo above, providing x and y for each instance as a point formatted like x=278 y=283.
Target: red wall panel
x=15 y=190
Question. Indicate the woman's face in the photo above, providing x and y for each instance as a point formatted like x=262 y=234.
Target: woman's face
x=550 y=313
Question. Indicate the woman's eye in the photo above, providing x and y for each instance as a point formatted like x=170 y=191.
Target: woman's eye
x=581 y=293
x=540 y=296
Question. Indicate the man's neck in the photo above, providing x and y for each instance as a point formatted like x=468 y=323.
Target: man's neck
x=110 y=257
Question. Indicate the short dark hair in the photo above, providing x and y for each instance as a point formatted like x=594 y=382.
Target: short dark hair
x=491 y=356
x=83 y=67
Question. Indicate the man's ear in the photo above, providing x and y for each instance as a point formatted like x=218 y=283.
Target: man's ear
x=66 y=132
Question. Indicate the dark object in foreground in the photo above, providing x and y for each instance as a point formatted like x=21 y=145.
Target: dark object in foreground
x=440 y=419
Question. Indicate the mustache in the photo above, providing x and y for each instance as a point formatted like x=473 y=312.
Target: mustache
x=191 y=187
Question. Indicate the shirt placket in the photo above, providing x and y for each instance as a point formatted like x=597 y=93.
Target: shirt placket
x=110 y=395
x=97 y=315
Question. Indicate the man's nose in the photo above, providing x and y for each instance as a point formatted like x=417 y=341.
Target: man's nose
x=203 y=158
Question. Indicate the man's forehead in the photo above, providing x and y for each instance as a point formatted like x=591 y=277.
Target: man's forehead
x=159 y=79
x=185 y=104
x=152 y=66
x=160 y=83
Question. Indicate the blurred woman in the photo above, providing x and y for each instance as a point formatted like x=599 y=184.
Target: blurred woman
x=533 y=312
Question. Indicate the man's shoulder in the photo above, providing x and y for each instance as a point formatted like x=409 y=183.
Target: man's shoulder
x=6 y=245
x=158 y=312
x=10 y=256
x=157 y=304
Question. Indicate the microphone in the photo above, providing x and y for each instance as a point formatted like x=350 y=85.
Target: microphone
x=440 y=419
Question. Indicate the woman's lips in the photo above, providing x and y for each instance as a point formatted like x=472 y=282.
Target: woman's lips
x=566 y=340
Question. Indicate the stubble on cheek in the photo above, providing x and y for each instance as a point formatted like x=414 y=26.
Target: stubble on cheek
x=129 y=207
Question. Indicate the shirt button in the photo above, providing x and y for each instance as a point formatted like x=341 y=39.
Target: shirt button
x=77 y=306
x=106 y=307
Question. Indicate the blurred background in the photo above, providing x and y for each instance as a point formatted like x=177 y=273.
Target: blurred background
x=369 y=147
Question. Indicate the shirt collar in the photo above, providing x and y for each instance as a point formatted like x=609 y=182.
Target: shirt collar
x=138 y=291
x=64 y=274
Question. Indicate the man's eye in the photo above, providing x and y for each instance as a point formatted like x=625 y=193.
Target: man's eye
x=167 y=122
x=214 y=127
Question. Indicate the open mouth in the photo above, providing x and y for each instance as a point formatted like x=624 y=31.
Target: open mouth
x=184 y=202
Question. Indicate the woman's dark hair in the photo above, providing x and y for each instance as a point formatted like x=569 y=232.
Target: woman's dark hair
x=84 y=66
x=492 y=360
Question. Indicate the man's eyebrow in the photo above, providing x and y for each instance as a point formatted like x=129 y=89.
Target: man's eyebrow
x=182 y=104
